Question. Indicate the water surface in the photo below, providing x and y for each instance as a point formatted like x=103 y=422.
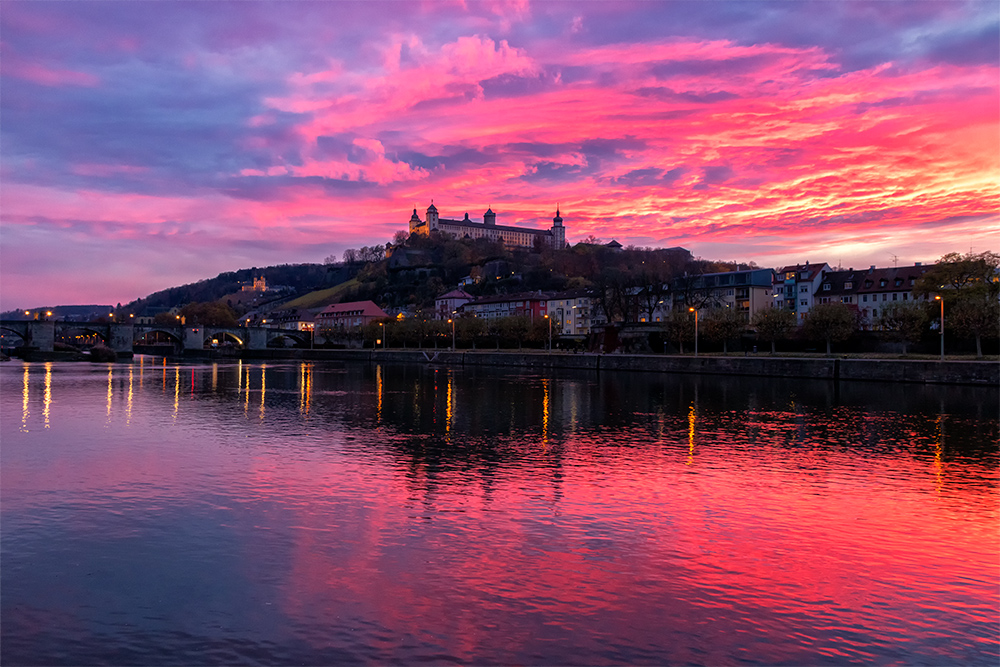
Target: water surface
x=155 y=513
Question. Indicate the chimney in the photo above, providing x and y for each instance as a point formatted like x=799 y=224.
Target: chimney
x=918 y=264
x=871 y=268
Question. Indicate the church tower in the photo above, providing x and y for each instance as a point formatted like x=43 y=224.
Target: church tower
x=489 y=218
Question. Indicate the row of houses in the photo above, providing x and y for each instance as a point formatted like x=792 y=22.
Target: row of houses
x=796 y=288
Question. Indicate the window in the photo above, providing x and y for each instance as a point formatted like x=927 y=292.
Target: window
x=848 y=285
x=845 y=299
x=882 y=282
x=804 y=289
x=826 y=287
x=906 y=296
x=894 y=295
x=885 y=297
x=874 y=312
x=864 y=297
x=803 y=303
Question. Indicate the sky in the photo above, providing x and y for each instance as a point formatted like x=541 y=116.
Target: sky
x=150 y=144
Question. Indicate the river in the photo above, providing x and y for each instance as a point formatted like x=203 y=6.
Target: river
x=158 y=513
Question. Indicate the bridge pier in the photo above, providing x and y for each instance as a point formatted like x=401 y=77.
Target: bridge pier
x=41 y=335
x=120 y=338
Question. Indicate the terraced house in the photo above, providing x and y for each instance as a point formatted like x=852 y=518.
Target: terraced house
x=870 y=291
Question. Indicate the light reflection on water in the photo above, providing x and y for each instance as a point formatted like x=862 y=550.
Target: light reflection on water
x=314 y=513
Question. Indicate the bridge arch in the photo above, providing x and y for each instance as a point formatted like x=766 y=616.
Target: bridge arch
x=301 y=338
x=67 y=331
x=223 y=336
x=22 y=335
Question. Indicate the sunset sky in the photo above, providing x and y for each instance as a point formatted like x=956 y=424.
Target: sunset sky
x=145 y=145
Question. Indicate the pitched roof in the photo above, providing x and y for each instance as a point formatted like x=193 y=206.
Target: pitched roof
x=367 y=308
x=456 y=294
x=866 y=281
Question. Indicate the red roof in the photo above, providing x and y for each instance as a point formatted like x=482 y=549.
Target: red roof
x=366 y=308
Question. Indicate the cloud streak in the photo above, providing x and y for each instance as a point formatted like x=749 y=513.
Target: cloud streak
x=773 y=130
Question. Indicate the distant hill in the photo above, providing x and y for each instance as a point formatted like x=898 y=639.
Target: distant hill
x=76 y=313
x=288 y=280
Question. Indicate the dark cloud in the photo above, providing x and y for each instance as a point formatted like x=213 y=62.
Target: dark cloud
x=714 y=175
x=669 y=95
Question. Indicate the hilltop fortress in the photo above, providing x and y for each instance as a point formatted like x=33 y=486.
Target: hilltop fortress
x=512 y=237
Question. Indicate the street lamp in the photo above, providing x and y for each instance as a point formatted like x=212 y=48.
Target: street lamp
x=695 y=330
x=550 y=332
x=382 y=324
x=452 y=323
x=938 y=298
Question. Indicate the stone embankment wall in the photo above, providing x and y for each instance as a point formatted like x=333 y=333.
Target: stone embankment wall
x=985 y=373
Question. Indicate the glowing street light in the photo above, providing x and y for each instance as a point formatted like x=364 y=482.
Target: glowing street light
x=550 y=332
x=382 y=324
x=938 y=298
x=452 y=323
x=695 y=330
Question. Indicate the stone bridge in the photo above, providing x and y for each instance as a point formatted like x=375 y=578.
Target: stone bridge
x=41 y=335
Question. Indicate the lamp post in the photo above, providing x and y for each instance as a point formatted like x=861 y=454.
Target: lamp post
x=382 y=324
x=550 y=332
x=938 y=298
x=452 y=322
x=695 y=330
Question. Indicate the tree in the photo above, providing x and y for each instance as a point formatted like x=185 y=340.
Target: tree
x=976 y=315
x=773 y=324
x=956 y=275
x=166 y=319
x=213 y=314
x=680 y=328
x=722 y=325
x=830 y=322
x=970 y=287
x=903 y=321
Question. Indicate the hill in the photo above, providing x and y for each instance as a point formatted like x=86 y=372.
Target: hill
x=323 y=297
x=284 y=281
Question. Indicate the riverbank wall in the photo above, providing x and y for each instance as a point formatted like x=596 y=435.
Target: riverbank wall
x=985 y=373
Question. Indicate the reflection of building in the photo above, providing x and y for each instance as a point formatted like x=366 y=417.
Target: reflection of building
x=514 y=237
x=259 y=285
x=349 y=315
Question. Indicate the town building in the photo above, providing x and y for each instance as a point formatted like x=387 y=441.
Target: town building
x=872 y=290
x=349 y=315
x=512 y=237
x=530 y=304
x=446 y=304
x=796 y=285
x=747 y=291
x=571 y=312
